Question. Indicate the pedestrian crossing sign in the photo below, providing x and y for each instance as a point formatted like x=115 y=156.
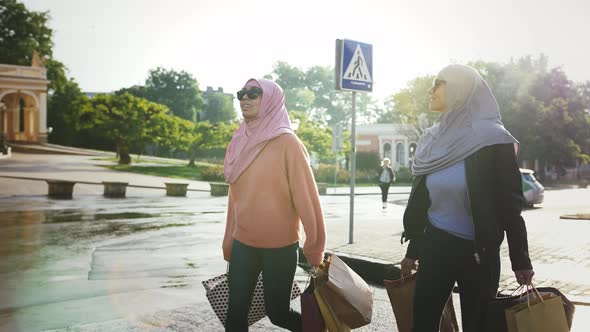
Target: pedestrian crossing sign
x=354 y=65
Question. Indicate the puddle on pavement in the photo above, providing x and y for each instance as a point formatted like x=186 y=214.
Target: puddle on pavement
x=24 y=233
x=11 y=218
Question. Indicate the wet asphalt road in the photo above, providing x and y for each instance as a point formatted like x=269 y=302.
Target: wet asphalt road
x=134 y=264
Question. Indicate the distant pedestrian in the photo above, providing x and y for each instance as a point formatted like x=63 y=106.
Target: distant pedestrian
x=466 y=194
x=272 y=190
x=386 y=179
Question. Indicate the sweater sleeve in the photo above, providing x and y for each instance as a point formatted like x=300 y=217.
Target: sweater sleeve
x=228 y=237
x=306 y=201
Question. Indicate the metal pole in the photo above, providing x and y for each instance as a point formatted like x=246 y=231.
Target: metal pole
x=352 y=167
x=335 y=168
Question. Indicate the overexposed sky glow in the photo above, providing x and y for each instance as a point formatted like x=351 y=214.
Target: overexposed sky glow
x=110 y=44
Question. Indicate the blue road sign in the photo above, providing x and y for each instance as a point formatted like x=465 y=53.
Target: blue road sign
x=356 y=66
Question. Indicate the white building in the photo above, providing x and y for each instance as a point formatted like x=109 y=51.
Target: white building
x=387 y=140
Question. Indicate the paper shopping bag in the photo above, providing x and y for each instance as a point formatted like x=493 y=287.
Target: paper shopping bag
x=311 y=316
x=495 y=320
x=333 y=322
x=401 y=296
x=347 y=293
x=541 y=314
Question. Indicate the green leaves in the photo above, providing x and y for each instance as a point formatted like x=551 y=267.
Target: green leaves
x=22 y=32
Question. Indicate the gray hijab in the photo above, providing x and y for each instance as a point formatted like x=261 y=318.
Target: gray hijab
x=470 y=122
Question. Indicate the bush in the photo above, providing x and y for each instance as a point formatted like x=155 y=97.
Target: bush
x=212 y=173
x=367 y=161
x=325 y=173
x=404 y=175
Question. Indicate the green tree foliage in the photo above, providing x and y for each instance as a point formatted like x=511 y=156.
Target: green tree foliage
x=219 y=107
x=315 y=137
x=410 y=107
x=178 y=90
x=64 y=97
x=542 y=108
x=22 y=32
x=130 y=121
x=313 y=92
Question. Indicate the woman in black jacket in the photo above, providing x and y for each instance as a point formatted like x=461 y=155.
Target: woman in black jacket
x=466 y=194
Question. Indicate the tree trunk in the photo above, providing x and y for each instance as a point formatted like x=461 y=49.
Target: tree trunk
x=124 y=156
x=193 y=156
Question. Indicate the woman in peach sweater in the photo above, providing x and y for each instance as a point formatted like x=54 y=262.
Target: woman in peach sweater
x=272 y=191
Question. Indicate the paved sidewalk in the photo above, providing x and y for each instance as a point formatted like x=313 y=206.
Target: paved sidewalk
x=560 y=249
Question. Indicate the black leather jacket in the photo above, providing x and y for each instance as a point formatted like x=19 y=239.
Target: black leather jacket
x=494 y=189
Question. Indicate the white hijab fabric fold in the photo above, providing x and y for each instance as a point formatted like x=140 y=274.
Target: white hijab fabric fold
x=471 y=121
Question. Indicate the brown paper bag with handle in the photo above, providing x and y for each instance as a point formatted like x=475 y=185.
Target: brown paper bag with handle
x=538 y=314
x=401 y=296
x=346 y=292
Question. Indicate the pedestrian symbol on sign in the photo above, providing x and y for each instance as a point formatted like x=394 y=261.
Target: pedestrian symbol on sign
x=357 y=68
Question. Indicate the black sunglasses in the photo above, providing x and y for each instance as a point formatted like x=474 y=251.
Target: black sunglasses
x=253 y=93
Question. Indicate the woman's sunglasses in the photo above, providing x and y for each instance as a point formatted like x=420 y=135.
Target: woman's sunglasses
x=253 y=93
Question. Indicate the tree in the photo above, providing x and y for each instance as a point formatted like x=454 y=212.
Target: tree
x=315 y=137
x=203 y=135
x=22 y=32
x=313 y=93
x=178 y=90
x=410 y=107
x=542 y=108
x=218 y=108
x=130 y=121
x=64 y=97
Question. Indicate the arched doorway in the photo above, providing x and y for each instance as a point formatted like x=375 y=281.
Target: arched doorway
x=23 y=103
x=387 y=151
x=19 y=116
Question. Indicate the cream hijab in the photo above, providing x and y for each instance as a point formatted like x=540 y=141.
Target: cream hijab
x=251 y=137
x=470 y=122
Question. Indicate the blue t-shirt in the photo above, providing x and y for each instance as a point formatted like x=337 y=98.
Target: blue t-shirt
x=449 y=209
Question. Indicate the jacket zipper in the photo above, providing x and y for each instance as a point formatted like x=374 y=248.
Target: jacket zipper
x=475 y=253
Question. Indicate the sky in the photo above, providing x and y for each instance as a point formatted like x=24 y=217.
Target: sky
x=111 y=44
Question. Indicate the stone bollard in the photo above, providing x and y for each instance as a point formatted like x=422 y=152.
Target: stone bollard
x=219 y=188
x=60 y=189
x=176 y=189
x=322 y=187
x=115 y=189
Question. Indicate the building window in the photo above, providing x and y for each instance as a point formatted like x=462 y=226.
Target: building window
x=387 y=151
x=21 y=115
x=399 y=154
x=412 y=150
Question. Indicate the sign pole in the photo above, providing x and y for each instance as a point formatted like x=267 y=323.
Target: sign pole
x=352 y=168
x=354 y=72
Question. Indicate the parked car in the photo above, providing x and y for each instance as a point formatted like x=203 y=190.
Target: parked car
x=533 y=191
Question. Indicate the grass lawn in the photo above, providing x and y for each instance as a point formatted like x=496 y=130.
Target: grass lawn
x=173 y=171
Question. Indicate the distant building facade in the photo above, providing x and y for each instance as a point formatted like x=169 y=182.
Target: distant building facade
x=23 y=103
x=388 y=141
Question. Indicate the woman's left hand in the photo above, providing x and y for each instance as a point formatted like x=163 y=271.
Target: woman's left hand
x=524 y=277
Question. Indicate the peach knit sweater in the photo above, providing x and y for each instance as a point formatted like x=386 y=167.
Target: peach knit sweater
x=271 y=197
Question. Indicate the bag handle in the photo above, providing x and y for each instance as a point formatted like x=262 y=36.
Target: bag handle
x=535 y=291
